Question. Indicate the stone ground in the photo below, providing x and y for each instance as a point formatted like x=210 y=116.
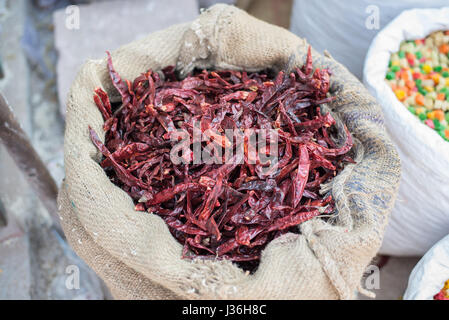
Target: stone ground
x=35 y=263
x=33 y=258
x=393 y=278
x=39 y=56
x=93 y=38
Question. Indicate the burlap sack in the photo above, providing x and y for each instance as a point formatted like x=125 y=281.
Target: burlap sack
x=135 y=253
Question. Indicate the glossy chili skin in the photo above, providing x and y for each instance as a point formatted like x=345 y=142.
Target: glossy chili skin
x=223 y=210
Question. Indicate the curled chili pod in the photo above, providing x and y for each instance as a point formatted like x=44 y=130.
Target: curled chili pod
x=225 y=196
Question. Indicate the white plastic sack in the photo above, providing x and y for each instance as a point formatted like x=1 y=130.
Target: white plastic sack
x=341 y=26
x=421 y=214
x=430 y=274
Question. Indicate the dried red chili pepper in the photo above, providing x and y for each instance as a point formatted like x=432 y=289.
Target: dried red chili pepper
x=223 y=210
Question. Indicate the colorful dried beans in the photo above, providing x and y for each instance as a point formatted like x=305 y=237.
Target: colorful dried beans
x=419 y=76
x=231 y=210
x=444 y=293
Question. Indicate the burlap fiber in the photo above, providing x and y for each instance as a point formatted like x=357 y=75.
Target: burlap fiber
x=135 y=253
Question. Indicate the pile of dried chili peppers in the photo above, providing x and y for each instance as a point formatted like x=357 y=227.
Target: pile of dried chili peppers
x=230 y=210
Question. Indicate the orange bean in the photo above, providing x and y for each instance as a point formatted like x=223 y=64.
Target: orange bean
x=419 y=99
x=410 y=55
x=404 y=75
x=441 y=96
x=410 y=84
x=439 y=114
x=444 y=48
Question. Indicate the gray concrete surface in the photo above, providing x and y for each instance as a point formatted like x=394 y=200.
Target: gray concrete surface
x=33 y=260
x=393 y=279
x=15 y=275
x=108 y=25
x=15 y=270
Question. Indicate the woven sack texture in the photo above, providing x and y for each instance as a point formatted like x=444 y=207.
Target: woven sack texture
x=135 y=253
